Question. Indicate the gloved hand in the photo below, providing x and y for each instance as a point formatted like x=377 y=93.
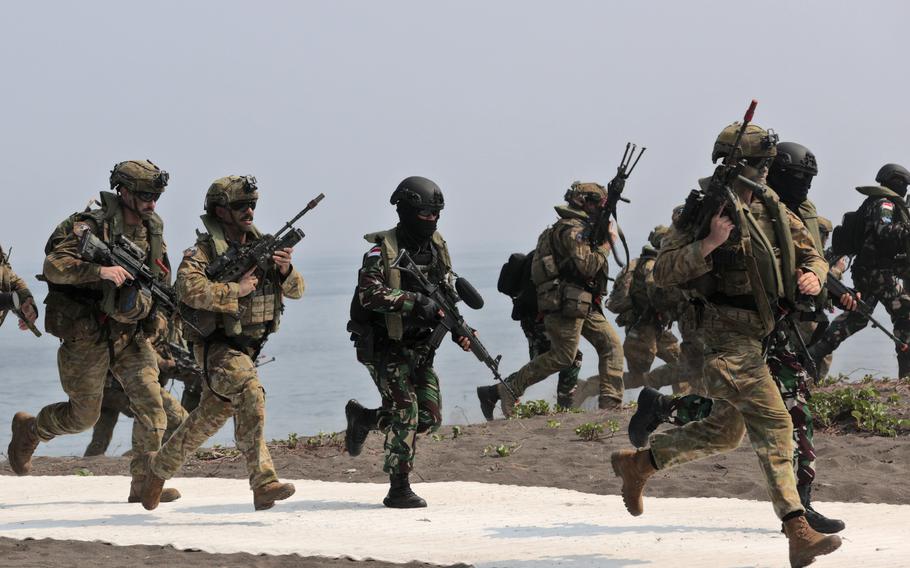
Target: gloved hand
x=426 y=309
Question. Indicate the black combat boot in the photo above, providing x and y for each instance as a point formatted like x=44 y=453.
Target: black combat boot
x=818 y=351
x=488 y=396
x=816 y=520
x=400 y=495
x=356 y=433
x=653 y=409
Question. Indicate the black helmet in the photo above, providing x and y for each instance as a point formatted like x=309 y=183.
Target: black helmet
x=791 y=172
x=895 y=177
x=418 y=193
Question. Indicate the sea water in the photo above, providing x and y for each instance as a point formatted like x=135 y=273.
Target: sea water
x=315 y=371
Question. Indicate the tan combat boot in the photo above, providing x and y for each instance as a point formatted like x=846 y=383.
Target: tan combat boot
x=634 y=467
x=152 y=485
x=264 y=497
x=806 y=544
x=507 y=402
x=167 y=495
x=23 y=444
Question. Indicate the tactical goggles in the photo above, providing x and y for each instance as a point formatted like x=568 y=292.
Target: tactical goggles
x=243 y=205
x=147 y=196
x=758 y=163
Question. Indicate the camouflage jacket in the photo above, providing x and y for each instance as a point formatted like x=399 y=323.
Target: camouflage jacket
x=577 y=261
x=10 y=282
x=251 y=316
x=886 y=234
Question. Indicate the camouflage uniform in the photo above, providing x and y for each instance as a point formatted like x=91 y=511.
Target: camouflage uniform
x=746 y=398
x=877 y=275
x=99 y=335
x=227 y=355
x=538 y=344
x=10 y=282
x=578 y=269
x=393 y=346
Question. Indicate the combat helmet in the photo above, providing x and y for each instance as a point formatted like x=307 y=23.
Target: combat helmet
x=895 y=177
x=657 y=234
x=755 y=143
x=579 y=192
x=139 y=175
x=418 y=193
x=792 y=171
x=230 y=189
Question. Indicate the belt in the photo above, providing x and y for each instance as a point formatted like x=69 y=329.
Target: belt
x=742 y=302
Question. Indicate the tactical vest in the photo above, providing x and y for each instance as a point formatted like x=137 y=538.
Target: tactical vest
x=809 y=216
x=388 y=245
x=262 y=307
x=68 y=303
x=552 y=264
x=770 y=273
x=886 y=254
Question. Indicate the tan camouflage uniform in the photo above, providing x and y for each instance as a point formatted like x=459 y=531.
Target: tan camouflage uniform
x=10 y=282
x=746 y=398
x=231 y=370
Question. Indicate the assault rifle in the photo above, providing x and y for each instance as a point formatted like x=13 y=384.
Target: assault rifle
x=10 y=301
x=238 y=260
x=701 y=207
x=838 y=289
x=601 y=232
x=184 y=361
x=127 y=255
x=452 y=321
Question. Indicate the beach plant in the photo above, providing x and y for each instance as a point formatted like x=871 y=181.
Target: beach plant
x=531 y=408
x=323 y=439
x=456 y=431
x=612 y=426
x=590 y=431
x=553 y=424
x=83 y=472
x=861 y=403
x=500 y=450
x=437 y=437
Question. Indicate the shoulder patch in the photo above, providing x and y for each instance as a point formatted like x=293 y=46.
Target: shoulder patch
x=887 y=205
x=375 y=251
x=190 y=252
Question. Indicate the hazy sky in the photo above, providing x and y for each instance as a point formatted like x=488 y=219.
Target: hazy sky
x=502 y=103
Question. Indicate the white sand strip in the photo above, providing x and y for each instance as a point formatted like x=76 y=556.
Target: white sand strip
x=482 y=524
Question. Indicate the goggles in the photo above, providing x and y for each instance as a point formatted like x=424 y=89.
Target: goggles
x=147 y=196
x=243 y=205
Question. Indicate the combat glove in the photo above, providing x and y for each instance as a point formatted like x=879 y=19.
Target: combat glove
x=426 y=309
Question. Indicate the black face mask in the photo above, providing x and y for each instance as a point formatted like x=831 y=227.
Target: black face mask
x=420 y=229
x=898 y=186
x=790 y=189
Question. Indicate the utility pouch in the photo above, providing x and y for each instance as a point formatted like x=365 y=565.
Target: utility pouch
x=201 y=320
x=550 y=269
x=65 y=318
x=549 y=298
x=576 y=301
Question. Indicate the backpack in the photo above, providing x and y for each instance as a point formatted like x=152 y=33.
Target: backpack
x=515 y=282
x=620 y=299
x=847 y=238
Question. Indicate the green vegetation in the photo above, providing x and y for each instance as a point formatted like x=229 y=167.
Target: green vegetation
x=590 y=431
x=501 y=450
x=533 y=408
x=863 y=404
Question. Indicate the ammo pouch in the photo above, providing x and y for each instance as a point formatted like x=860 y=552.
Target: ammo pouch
x=201 y=320
x=364 y=338
x=71 y=312
x=576 y=301
x=549 y=297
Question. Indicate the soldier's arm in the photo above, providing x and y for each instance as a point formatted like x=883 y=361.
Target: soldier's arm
x=63 y=265
x=19 y=286
x=197 y=291
x=373 y=291
x=293 y=284
x=680 y=259
x=884 y=223
x=588 y=261
x=807 y=256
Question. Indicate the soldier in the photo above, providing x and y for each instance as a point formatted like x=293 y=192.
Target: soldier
x=391 y=323
x=11 y=284
x=242 y=315
x=647 y=312
x=879 y=238
x=115 y=401
x=104 y=325
x=570 y=273
x=791 y=175
x=740 y=280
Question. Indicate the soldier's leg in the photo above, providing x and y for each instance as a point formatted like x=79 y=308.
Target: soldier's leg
x=564 y=333
x=113 y=403
x=174 y=412
x=898 y=308
x=601 y=335
x=429 y=400
x=568 y=382
x=136 y=367
x=639 y=348
x=249 y=427
x=83 y=366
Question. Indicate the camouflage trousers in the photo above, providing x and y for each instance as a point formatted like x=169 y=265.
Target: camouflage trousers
x=233 y=376
x=538 y=344
x=875 y=286
x=114 y=403
x=564 y=334
x=746 y=400
x=411 y=401
x=643 y=343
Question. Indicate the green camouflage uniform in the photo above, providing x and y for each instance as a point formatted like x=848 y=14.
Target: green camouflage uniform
x=98 y=336
x=746 y=397
x=580 y=267
x=241 y=326
x=9 y=282
x=397 y=355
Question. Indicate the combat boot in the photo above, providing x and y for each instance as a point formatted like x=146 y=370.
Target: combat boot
x=608 y=403
x=167 y=495
x=653 y=408
x=564 y=401
x=507 y=400
x=152 y=485
x=815 y=519
x=488 y=396
x=806 y=544
x=634 y=467
x=400 y=495
x=264 y=497
x=23 y=443
x=357 y=430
